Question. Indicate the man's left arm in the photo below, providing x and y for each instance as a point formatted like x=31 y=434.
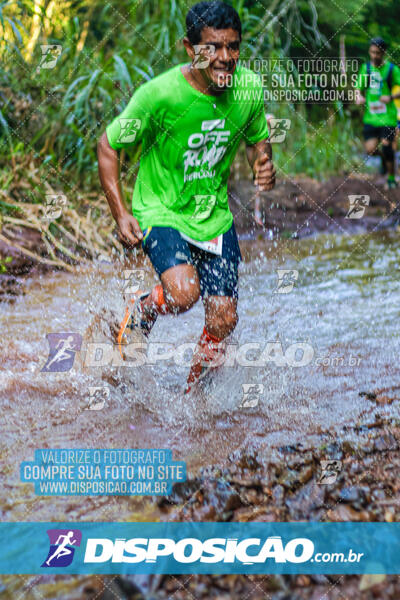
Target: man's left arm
x=259 y=156
x=258 y=148
x=396 y=81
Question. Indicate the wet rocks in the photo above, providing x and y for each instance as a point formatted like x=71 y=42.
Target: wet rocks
x=214 y=499
x=306 y=501
x=287 y=485
x=182 y=491
x=245 y=460
x=368 y=395
x=370 y=581
x=385 y=442
x=380 y=397
x=10 y=288
x=278 y=494
x=351 y=494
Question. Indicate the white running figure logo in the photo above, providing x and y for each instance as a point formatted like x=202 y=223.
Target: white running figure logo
x=62 y=550
x=67 y=344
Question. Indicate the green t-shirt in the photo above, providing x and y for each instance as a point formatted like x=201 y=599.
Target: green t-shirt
x=189 y=140
x=377 y=113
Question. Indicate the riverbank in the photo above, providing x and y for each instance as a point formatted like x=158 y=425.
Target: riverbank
x=301 y=207
x=296 y=208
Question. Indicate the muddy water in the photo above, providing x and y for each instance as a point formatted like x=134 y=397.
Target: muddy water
x=344 y=307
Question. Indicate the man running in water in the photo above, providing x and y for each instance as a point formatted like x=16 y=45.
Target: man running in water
x=375 y=82
x=190 y=121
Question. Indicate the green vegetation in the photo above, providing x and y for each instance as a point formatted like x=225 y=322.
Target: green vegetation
x=4 y=262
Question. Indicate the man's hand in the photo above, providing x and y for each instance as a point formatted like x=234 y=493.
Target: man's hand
x=130 y=233
x=385 y=99
x=264 y=173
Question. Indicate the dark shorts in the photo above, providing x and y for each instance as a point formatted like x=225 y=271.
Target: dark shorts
x=218 y=275
x=381 y=133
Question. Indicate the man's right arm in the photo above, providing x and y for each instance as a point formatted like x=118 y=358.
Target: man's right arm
x=129 y=229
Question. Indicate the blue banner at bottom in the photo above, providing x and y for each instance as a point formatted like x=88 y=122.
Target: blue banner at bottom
x=175 y=548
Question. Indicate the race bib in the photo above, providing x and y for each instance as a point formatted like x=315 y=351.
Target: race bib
x=214 y=245
x=377 y=108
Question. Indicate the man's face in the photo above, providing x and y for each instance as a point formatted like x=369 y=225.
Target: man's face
x=376 y=55
x=219 y=53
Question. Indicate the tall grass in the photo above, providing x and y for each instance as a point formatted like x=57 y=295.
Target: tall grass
x=319 y=149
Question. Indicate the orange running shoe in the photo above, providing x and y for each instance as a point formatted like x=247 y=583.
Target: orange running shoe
x=208 y=356
x=135 y=325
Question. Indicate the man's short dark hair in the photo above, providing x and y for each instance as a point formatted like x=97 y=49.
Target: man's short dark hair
x=218 y=15
x=378 y=41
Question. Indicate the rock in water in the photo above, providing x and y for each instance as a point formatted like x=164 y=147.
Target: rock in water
x=368 y=581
